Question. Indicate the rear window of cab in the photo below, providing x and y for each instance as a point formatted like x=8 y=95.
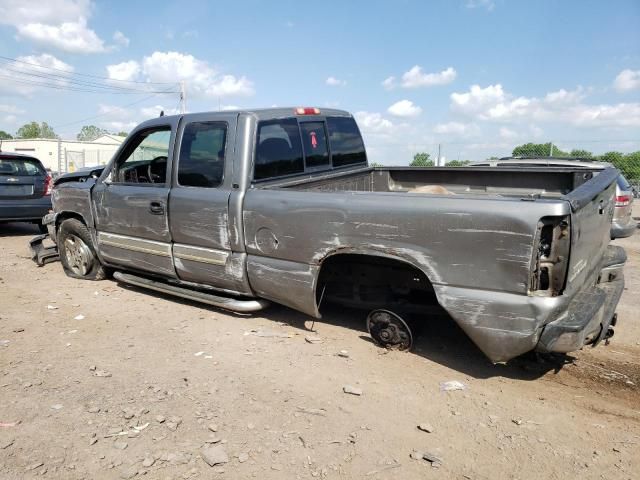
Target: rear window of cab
x=291 y=146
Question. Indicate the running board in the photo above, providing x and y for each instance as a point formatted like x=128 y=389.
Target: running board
x=227 y=303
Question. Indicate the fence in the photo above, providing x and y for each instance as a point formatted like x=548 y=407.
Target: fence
x=71 y=160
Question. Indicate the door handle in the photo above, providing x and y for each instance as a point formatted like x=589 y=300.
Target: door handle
x=156 y=208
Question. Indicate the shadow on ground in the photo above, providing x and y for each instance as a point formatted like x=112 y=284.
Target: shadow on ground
x=18 y=229
x=440 y=341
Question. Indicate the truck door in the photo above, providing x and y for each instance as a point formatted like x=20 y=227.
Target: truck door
x=130 y=202
x=199 y=204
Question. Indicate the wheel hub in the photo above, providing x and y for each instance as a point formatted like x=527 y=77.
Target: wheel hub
x=389 y=330
x=77 y=254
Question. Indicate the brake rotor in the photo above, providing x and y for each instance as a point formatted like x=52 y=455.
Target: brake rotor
x=389 y=330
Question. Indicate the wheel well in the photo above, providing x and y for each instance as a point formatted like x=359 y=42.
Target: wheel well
x=370 y=281
x=62 y=216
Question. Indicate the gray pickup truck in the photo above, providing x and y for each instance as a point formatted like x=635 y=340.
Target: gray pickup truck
x=237 y=209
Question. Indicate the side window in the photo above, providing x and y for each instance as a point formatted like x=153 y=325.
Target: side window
x=202 y=152
x=145 y=158
x=279 y=150
x=346 y=143
x=314 y=142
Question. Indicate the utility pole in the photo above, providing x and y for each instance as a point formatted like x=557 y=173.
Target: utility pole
x=438 y=158
x=183 y=98
x=551 y=149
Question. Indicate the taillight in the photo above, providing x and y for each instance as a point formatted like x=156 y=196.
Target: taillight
x=48 y=185
x=623 y=200
x=551 y=256
x=307 y=111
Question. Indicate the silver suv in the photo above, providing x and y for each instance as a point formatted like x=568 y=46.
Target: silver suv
x=623 y=225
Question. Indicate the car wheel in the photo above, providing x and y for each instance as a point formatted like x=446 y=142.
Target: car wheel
x=77 y=255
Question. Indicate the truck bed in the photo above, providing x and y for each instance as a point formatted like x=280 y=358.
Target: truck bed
x=516 y=182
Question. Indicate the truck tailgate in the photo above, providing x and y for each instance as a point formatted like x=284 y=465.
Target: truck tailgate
x=592 y=207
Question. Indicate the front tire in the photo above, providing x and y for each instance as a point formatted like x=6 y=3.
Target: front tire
x=77 y=254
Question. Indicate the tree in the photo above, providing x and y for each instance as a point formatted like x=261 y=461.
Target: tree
x=421 y=159
x=89 y=133
x=538 y=150
x=5 y=136
x=458 y=163
x=580 y=153
x=36 y=130
x=122 y=134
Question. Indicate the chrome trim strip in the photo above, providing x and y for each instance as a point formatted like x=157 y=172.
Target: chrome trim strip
x=135 y=244
x=200 y=254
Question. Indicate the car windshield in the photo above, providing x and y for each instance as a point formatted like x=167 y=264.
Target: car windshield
x=20 y=167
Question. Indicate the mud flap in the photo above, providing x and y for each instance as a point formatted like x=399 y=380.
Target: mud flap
x=41 y=254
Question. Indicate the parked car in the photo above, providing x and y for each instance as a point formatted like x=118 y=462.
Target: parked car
x=622 y=225
x=25 y=189
x=240 y=208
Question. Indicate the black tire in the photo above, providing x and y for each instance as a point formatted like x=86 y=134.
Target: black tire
x=77 y=254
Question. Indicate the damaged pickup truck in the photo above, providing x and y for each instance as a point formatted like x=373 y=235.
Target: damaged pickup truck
x=237 y=209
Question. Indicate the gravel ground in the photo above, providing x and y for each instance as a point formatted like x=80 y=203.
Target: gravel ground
x=98 y=380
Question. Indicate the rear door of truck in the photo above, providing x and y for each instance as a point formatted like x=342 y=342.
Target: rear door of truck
x=592 y=207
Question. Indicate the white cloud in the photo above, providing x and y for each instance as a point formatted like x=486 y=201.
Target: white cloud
x=487 y=4
x=492 y=103
x=335 y=82
x=455 y=128
x=21 y=77
x=373 y=123
x=404 y=108
x=507 y=133
x=200 y=78
x=60 y=24
x=416 y=78
x=389 y=83
x=120 y=38
x=627 y=80
x=11 y=109
x=126 y=71
x=9 y=119
x=151 y=112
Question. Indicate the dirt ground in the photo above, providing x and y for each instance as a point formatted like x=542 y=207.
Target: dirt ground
x=98 y=380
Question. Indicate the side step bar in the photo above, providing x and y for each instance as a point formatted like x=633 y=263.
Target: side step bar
x=226 y=303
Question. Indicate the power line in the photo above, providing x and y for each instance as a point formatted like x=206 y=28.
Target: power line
x=107 y=113
x=64 y=80
x=82 y=74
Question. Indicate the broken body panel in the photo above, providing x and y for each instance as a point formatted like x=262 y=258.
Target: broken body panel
x=510 y=254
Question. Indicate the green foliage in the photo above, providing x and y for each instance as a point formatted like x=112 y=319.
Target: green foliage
x=458 y=163
x=36 y=130
x=375 y=164
x=421 y=159
x=90 y=132
x=627 y=163
x=538 y=150
x=5 y=136
x=122 y=134
x=580 y=153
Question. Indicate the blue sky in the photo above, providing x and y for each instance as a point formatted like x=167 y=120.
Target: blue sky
x=476 y=76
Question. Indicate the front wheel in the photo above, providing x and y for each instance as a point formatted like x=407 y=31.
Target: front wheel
x=77 y=255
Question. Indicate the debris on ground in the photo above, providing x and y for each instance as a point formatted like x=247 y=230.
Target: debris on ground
x=79 y=317
x=452 y=385
x=425 y=427
x=4 y=343
x=313 y=411
x=343 y=354
x=312 y=339
x=352 y=390
x=52 y=307
x=429 y=457
x=268 y=334
x=215 y=455
x=101 y=373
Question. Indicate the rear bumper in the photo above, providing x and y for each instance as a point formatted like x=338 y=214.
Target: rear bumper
x=504 y=325
x=24 y=210
x=591 y=313
x=623 y=230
